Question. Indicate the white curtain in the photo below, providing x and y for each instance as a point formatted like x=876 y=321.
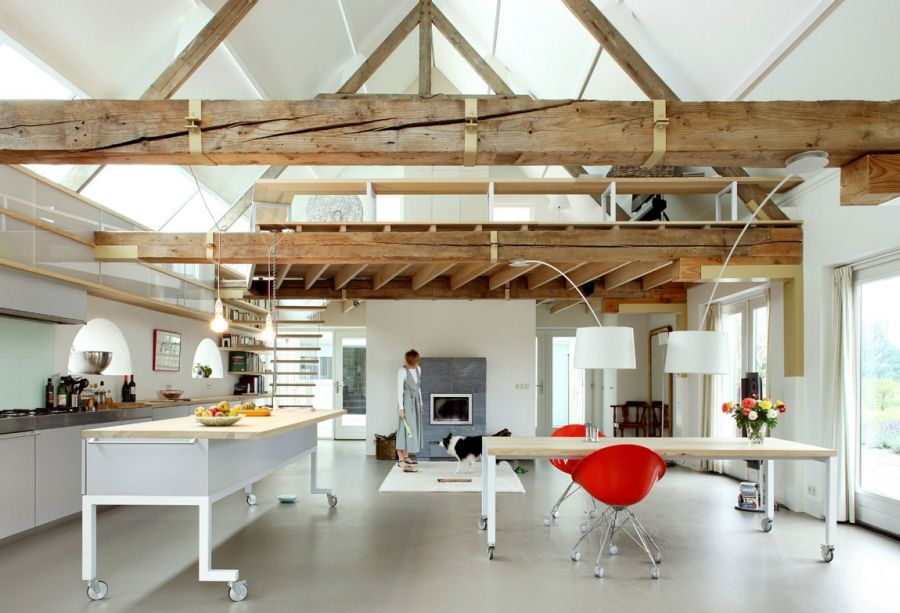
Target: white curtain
x=843 y=395
x=711 y=405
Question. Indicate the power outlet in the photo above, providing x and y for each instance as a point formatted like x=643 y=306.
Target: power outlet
x=811 y=490
x=523 y=386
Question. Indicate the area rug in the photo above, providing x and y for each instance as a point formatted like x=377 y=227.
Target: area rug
x=426 y=480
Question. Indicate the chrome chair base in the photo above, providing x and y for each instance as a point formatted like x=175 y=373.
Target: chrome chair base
x=570 y=491
x=611 y=523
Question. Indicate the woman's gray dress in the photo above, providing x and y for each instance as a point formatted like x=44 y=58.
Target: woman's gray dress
x=412 y=406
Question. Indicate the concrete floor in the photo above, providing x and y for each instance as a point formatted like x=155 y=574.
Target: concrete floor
x=424 y=552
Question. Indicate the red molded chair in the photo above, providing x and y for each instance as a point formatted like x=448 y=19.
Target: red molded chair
x=567 y=466
x=620 y=476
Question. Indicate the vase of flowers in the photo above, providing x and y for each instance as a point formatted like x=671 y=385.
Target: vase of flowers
x=757 y=416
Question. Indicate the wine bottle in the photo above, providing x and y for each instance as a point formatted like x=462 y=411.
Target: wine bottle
x=125 y=389
x=60 y=394
x=132 y=390
x=49 y=394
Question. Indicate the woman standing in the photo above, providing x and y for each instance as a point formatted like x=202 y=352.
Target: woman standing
x=409 y=401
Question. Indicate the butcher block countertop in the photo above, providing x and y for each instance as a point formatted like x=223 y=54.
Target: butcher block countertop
x=280 y=421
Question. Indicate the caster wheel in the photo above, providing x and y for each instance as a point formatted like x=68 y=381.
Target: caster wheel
x=332 y=500
x=654 y=573
x=593 y=513
x=490 y=552
x=827 y=553
x=657 y=557
x=237 y=590
x=97 y=590
x=251 y=500
x=547 y=521
x=613 y=549
x=584 y=527
x=766 y=524
x=555 y=514
x=482 y=523
x=576 y=556
x=598 y=572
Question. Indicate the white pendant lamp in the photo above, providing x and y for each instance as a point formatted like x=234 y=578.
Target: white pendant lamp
x=698 y=352
x=268 y=332
x=595 y=346
x=219 y=323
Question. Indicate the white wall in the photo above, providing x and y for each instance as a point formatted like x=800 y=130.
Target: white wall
x=137 y=326
x=503 y=332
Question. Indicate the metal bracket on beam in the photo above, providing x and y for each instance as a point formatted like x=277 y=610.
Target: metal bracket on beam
x=195 y=134
x=734 y=201
x=608 y=196
x=660 y=125
x=470 y=143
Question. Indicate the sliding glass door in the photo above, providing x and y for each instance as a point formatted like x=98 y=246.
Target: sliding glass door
x=563 y=391
x=878 y=379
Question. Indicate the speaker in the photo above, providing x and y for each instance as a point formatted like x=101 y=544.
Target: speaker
x=751 y=386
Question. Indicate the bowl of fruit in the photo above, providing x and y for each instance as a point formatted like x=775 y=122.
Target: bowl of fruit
x=220 y=415
x=251 y=410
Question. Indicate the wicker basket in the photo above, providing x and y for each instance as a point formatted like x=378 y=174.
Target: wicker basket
x=386 y=446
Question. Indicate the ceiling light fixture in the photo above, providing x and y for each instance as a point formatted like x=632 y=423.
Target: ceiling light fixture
x=268 y=332
x=595 y=346
x=219 y=324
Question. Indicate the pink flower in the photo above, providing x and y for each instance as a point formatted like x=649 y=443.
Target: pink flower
x=746 y=411
x=748 y=403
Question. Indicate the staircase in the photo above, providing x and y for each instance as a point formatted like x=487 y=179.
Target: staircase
x=296 y=361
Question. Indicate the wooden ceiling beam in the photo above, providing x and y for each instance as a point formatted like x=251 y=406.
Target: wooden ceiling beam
x=630 y=272
x=387 y=273
x=381 y=53
x=425 y=47
x=610 y=245
x=545 y=274
x=871 y=180
x=593 y=271
x=429 y=273
x=661 y=276
x=430 y=131
x=313 y=274
x=281 y=273
x=346 y=274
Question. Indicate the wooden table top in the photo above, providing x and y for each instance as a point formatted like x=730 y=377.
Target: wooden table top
x=281 y=420
x=668 y=447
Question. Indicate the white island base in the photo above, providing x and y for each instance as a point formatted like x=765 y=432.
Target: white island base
x=180 y=462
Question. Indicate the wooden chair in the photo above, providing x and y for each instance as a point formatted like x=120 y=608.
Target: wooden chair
x=632 y=415
x=657 y=410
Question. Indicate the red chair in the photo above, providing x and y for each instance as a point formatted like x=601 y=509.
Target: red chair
x=567 y=466
x=620 y=476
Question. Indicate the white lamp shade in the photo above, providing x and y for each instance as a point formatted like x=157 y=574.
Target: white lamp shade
x=604 y=347
x=698 y=352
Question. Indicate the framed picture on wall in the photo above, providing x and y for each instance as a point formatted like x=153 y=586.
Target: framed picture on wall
x=166 y=350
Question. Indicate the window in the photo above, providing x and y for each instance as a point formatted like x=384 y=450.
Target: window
x=746 y=321
x=878 y=379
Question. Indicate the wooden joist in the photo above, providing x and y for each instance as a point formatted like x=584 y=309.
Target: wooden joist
x=429 y=272
x=346 y=274
x=468 y=272
x=430 y=131
x=545 y=274
x=610 y=243
x=634 y=270
x=381 y=53
x=387 y=273
x=872 y=179
x=425 y=47
x=313 y=273
x=507 y=274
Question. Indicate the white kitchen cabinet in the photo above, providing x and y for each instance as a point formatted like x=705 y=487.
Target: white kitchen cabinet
x=17 y=482
x=171 y=412
x=58 y=471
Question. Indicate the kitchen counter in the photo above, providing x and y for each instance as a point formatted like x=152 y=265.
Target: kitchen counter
x=201 y=400
x=281 y=421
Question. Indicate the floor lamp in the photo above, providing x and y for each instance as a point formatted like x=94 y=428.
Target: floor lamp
x=595 y=346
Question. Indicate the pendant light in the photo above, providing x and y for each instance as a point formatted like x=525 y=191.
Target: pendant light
x=219 y=324
x=268 y=332
x=595 y=346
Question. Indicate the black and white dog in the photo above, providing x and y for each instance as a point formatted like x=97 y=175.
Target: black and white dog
x=466 y=449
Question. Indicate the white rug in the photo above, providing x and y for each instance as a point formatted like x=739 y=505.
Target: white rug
x=426 y=480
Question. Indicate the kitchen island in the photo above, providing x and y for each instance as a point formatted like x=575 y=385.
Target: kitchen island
x=181 y=462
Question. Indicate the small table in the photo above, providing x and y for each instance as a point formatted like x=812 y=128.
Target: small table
x=182 y=462
x=546 y=447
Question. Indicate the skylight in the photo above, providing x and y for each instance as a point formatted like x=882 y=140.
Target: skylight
x=22 y=79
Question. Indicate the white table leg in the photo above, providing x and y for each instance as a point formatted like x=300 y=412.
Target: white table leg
x=768 y=470
x=205 y=548
x=482 y=521
x=313 y=482
x=490 y=489
x=831 y=493
x=88 y=539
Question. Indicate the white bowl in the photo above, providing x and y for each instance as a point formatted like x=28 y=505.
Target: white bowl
x=287 y=498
